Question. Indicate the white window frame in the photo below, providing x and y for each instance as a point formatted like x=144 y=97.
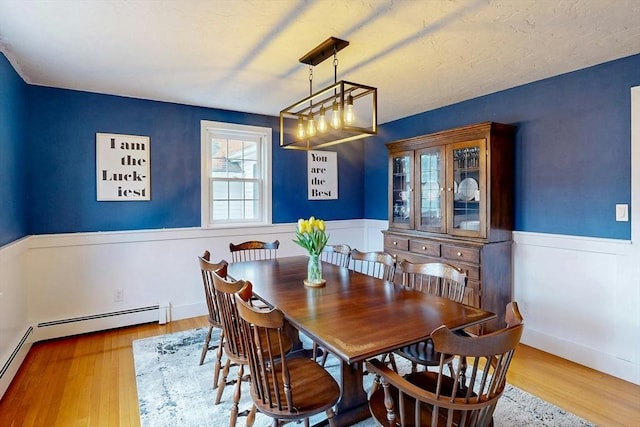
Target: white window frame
x=209 y=128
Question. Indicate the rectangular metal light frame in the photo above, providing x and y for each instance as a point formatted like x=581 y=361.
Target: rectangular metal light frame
x=338 y=91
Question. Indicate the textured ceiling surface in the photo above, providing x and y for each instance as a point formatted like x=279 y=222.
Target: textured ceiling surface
x=243 y=54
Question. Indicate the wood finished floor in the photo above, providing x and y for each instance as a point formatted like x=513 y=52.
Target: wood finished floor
x=89 y=380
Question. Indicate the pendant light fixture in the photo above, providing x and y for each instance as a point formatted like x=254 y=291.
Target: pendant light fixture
x=352 y=108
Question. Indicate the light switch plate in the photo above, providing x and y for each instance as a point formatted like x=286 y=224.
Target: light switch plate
x=622 y=212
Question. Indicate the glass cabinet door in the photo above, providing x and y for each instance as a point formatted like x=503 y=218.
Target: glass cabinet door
x=401 y=190
x=430 y=207
x=466 y=188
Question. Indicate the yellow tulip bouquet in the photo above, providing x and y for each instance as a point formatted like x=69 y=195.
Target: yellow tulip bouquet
x=311 y=235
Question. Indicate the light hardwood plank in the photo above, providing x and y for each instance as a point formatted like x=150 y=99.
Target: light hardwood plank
x=89 y=381
x=592 y=395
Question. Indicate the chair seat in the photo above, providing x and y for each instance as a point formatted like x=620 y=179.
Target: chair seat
x=422 y=353
x=314 y=390
x=426 y=381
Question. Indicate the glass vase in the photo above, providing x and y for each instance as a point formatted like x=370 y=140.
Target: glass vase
x=314 y=271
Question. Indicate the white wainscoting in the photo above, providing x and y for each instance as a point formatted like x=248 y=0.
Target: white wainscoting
x=572 y=291
x=76 y=275
x=14 y=323
x=579 y=298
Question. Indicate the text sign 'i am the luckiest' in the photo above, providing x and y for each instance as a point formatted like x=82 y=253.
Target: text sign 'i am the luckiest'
x=322 y=175
x=122 y=167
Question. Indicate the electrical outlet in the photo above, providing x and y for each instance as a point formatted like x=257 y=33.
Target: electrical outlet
x=622 y=212
x=118 y=295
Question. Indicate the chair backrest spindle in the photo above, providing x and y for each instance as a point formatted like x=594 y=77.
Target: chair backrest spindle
x=207 y=269
x=434 y=278
x=377 y=264
x=336 y=254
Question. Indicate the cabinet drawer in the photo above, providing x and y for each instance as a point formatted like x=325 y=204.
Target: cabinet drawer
x=424 y=247
x=457 y=253
x=396 y=243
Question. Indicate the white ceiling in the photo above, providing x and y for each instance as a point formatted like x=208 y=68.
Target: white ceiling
x=243 y=54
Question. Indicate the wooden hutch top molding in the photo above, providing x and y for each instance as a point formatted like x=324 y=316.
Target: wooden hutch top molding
x=463 y=133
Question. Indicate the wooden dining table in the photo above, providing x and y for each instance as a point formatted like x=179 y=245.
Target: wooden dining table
x=353 y=316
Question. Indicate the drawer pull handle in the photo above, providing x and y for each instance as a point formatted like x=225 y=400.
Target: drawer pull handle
x=459 y=254
x=395 y=243
x=424 y=248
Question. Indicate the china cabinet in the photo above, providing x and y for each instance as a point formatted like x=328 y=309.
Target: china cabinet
x=451 y=200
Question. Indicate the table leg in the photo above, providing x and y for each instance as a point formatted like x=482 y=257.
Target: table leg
x=294 y=334
x=297 y=347
x=353 y=405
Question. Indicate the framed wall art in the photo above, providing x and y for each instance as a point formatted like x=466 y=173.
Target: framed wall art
x=123 y=169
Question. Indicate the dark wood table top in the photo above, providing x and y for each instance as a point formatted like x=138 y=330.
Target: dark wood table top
x=354 y=316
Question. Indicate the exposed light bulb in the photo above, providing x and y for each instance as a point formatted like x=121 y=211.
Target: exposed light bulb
x=349 y=115
x=311 y=125
x=301 y=132
x=322 y=121
x=335 y=116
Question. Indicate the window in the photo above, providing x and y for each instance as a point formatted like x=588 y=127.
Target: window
x=236 y=174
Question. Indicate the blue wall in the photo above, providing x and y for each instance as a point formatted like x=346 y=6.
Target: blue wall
x=12 y=149
x=573 y=149
x=572 y=156
x=61 y=171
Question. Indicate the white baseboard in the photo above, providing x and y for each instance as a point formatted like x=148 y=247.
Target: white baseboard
x=590 y=357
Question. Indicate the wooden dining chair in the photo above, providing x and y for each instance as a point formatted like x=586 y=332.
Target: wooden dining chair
x=467 y=397
x=336 y=254
x=207 y=269
x=439 y=279
x=253 y=250
x=377 y=264
x=285 y=389
x=234 y=347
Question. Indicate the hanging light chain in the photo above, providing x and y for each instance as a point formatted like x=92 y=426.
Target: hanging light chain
x=335 y=65
x=311 y=125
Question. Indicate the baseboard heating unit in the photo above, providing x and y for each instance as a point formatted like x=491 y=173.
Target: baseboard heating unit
x=100 y=316
x=15 y=352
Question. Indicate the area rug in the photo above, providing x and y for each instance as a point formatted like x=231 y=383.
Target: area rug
x=173 y=390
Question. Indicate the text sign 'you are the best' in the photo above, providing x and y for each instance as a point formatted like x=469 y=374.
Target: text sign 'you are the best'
x=322 y=175
x=122 y=167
